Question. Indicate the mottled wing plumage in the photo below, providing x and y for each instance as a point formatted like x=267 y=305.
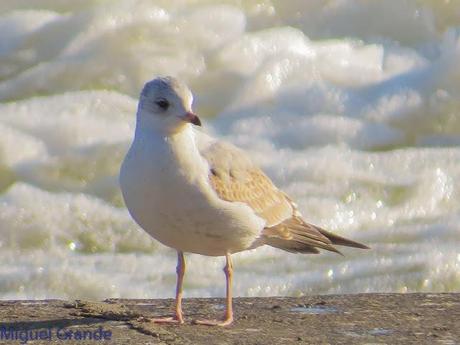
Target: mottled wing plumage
x=235 y=178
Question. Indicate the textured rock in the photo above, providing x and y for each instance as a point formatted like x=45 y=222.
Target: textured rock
x=332 y=319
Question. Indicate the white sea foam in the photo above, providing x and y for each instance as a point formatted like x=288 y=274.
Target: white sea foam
x=354 y=115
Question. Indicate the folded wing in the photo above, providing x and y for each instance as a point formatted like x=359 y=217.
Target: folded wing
x=235 y=178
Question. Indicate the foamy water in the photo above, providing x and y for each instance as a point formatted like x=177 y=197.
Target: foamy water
x=352 y=107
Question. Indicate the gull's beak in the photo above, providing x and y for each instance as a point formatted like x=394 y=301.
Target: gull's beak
x=192 y=118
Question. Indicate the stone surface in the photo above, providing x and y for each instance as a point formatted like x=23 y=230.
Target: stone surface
x=332 y=319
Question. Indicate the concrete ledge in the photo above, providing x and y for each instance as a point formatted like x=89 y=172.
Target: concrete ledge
x=332 y=319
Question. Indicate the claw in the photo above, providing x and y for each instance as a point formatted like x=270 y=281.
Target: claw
x=220 y=323
x=169 y=320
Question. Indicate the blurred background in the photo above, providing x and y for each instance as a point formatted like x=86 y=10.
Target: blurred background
x=351 y=106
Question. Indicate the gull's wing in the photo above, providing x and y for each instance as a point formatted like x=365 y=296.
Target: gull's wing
x=235 y=178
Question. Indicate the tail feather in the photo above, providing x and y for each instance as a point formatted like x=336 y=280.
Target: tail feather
x=290 y=246
x=297 y=236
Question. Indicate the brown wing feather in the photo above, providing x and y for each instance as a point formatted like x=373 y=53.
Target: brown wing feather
x=295 y=233
x=295 y=230
x=256 y=190
x=235 y=178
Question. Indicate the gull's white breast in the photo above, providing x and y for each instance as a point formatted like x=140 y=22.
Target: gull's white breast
x=165 y=187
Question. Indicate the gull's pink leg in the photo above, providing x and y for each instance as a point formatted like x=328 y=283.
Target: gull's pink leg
x=228 y=318
x=180 y=270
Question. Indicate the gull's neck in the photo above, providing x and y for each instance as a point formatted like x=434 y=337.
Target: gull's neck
x=183 y=136
x=177 y=148
x=183 y=146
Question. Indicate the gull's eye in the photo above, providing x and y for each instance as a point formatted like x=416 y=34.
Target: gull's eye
x=162 y=103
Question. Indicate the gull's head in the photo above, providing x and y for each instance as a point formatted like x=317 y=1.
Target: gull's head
x=166 y=104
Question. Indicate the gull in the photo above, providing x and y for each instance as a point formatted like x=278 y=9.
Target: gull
x=198 y=194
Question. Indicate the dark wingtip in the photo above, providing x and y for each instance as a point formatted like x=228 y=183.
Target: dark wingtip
x=338 y=252
x=363 y=246
x=342 y=241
